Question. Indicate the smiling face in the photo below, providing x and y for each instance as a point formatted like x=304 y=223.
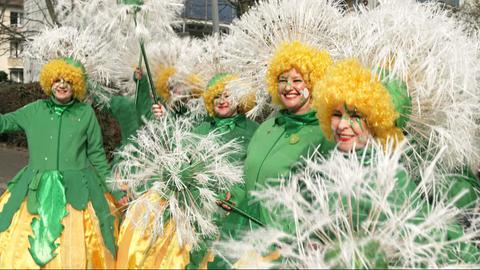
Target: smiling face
x=179 y=92
x=293 y=92
x=62 y=90
x=350 y=130
x=224 y=106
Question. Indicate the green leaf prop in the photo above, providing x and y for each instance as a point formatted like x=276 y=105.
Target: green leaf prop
x=48 y=226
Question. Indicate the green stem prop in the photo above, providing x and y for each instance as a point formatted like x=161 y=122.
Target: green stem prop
x=156 y=98
x=242 y=213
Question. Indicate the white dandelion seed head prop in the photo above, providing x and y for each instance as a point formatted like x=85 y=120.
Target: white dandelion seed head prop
x=418 y=44
x=212 y=60
x=176 y=64
x=82 y=45
x=186 y=170
x=184 y=55
x=467 y=16
x=351 y=211
x=247 y=253
x=153 y=18
x=255 y=37
x=217 y=76
x=180 y=55
x=113 y=21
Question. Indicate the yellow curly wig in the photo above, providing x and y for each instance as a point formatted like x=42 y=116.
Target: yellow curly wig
x=161 y=83
x=165 y=73
x=347 y=82
x=59 y=68
x=194 y=81
x=215 y=89
x=309 y=61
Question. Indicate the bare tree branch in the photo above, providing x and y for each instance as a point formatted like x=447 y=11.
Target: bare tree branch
x=51 y=11
x=241 y=6
x=45 y=17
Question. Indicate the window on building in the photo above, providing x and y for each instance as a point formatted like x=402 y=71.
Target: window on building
x=16 y=75
x=16 y=48
x=202 y=10
x=16 y=19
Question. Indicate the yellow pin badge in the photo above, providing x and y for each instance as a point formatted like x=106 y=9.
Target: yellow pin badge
x=294 y=138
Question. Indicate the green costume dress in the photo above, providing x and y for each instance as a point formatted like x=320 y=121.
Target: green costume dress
x=275 y=149
x=67 y=166
x=237 y=128
x=404 y=193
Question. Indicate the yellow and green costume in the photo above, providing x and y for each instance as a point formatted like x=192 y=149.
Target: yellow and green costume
x=385 y=106
x=280 y=142
x=57 y=212
x=139 y=248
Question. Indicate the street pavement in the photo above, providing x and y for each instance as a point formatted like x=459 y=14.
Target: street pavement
x=12 y=159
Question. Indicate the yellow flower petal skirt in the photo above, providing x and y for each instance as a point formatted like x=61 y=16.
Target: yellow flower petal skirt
x=81 y=244
x=138 y=248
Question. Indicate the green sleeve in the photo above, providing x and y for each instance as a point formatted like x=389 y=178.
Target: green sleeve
x=17 y=120
x=404 y=188
x=203 y=128
x=95 y=150
x=144 y=100
x=464 y=252
x=464 y=182
x=122 y=108
x=238 y=193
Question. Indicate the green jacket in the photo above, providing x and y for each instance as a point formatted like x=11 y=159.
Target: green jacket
x=404 y=193
x=237 y=128
x=361 y=210
x=465 y=181
x=275 y=149
x=68 y=142
x=405 y=189
x=129 y=111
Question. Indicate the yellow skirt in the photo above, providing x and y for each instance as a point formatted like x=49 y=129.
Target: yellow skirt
x=138 y=249
x=81 y=244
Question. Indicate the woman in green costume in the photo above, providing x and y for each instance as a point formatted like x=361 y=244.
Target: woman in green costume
x=228 y=119
x=57 y=210
x=357 y=208
x=226 y=116
x=281 y=141
x=130 y=113
x=353 y=107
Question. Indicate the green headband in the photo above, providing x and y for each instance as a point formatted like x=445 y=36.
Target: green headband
x=75 y=63
x=216 y=78
x=399 y=94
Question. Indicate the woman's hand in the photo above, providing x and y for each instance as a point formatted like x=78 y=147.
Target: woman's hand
x=225 y=206
x=138 y=73
x=158 y=110
x=123 y=201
